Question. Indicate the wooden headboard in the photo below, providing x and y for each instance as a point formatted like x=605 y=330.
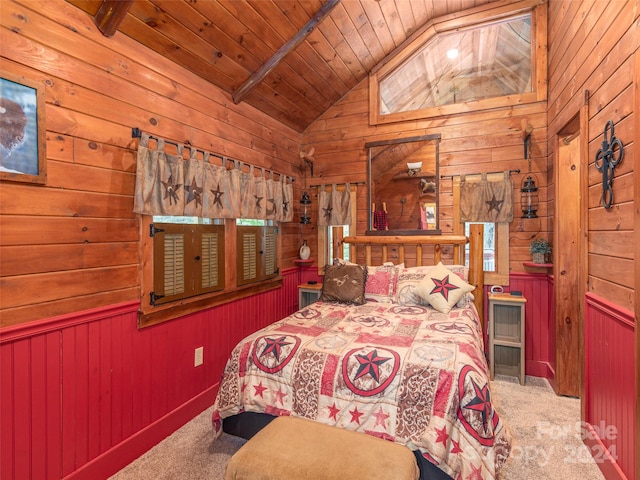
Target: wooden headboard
x=377 y=246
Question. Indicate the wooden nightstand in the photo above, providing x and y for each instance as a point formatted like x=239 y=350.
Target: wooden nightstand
x=506 y=335
x=308 y=293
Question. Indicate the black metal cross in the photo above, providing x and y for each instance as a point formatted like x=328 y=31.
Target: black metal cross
x=606 y=160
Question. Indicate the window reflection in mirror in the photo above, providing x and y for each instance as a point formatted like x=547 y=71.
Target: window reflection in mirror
x=403 y=186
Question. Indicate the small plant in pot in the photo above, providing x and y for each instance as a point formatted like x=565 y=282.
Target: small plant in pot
x=539 y=249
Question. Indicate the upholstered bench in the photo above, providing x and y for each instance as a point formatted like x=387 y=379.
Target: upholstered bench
x=292 y=448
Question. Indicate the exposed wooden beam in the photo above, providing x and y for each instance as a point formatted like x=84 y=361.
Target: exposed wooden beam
x=259 y=75
x=110 y=15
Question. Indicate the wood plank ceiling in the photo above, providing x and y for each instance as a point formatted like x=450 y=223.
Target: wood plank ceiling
x=227 y=41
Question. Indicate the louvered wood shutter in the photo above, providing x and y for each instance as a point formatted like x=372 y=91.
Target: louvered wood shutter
x=270 y=257
x=257 y=254
x=173 y=277
x=210 y=260
x=188 y=261
x=248 y=256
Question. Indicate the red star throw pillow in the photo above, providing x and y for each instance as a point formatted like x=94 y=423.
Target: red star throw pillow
x=442 y=288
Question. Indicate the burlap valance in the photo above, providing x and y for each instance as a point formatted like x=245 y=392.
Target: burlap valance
x=167 y=184
x=486 y=201
x=334 y=207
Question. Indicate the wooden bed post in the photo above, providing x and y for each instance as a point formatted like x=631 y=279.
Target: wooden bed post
x=476 y=267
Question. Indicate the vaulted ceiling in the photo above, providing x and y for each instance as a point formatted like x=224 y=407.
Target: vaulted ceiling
x=241 y=45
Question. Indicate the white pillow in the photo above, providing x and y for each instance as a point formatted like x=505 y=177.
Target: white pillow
x=442 y=288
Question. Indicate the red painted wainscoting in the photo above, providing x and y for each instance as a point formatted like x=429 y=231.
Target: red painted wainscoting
x=610 y=387
x=539 y=322
x=537 y=288
x=85 y=394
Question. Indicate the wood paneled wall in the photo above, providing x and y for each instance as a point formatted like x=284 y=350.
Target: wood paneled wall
x=74 y=243
x=485 y=141
x=582 y=58
x=593 y=47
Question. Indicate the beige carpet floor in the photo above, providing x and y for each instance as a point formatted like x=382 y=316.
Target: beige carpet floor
x=546 y=430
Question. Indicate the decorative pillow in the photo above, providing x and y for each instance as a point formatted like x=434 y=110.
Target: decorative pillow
x=381 y=283
x=420 y=269
x=466 y=300
x=342 y=261
x=442 y=288
x=461 y=270
x=406 y=285
x=344 y=283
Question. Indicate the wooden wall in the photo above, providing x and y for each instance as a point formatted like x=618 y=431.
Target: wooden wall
x=486 y=141
x=583 y=58
x=74 y=243
x=593 y=47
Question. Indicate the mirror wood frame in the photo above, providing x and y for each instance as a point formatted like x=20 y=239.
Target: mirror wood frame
x=435 y=138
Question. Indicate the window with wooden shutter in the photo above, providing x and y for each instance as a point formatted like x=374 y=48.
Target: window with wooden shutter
x=188 y=260
x=173 y=266
x=211 y=273
x=270 y=251
x=257 y=253
x=249 y=255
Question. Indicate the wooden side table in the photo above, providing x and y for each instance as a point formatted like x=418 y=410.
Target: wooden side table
x=507 y=335
x=308 y=293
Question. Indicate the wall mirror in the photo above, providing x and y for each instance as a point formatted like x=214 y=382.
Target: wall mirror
x=402 y=180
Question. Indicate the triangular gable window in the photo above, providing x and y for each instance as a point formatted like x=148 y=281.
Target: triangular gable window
x=483 y=61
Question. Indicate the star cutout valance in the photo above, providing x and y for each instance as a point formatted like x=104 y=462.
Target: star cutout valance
x=334 y=205
x=207 y=185
x=486 y=201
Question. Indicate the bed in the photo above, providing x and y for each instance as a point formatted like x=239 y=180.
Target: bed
x=389 y=350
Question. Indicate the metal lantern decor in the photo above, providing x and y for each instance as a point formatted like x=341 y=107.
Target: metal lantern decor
x=528 y=190
x=305 y=201
x=529 y=198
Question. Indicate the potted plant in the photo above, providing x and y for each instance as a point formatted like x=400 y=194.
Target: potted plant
x=539 y=249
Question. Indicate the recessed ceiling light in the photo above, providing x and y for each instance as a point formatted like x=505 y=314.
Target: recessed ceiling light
x=453 y=53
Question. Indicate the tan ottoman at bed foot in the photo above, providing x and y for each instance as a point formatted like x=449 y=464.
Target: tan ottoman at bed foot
x=292 y=448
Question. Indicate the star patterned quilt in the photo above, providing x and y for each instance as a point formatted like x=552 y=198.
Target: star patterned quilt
x=405 y=373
